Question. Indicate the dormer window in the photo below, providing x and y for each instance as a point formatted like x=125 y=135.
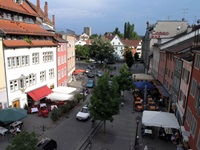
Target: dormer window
x=18 y=1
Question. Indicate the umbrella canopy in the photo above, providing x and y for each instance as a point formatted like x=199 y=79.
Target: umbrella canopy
x=141 y=85
x=78 y=71
x=160 y=119
x=142 y=76
x=9 y=115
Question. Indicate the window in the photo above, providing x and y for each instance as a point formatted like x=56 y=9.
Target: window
x=47 y=56
x=14 y=85
x=58 y=75
x=24 y=60
x=198 y=98
x=188 y=116
x=193 y=126
x=193 y=87
x=197 y=61
x=51 y=73
x=58 y=60
x=31 y=79
x=42 y=76
x=35 y=58
x=198 y=141
x=185 y=75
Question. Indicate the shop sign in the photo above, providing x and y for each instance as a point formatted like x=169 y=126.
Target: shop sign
x=156 y=35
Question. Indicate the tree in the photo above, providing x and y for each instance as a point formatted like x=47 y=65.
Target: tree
x=136 y=56
x=23 y=141
x=117 y=32
x=125 y=79
x=82 y=51
x=128 y=56
x=93 y=36
x=129 y=32
x=101 y=49
x=105 y=99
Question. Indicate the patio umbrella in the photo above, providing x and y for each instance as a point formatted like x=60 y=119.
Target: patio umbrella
x=141 y=85
x=9 y=115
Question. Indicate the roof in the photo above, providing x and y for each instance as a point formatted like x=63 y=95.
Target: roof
x=23 y=43
x=109 y=36
x=60 y=40
x=23 y=8
x=186 y=56
x=131 y=42
x=21 y=28
x=181 y=46
x=41 y=13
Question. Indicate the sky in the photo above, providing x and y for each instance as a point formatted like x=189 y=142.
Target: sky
x=106 y=15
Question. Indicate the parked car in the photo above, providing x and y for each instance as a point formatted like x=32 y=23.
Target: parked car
x=47 y=144
x=99 y=73
x=83 y=114
x=90 y=83
x=87 y=71
x=90 y=74
x=91 y=67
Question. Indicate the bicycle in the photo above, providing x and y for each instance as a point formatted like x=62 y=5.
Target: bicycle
x=11 y=137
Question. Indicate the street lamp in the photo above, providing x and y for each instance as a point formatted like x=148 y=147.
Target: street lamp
x=136 y=134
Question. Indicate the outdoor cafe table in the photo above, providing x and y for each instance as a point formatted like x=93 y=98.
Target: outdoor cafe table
x=168 y=131
x=147 y=131
x=3 y=131
x=16 y=123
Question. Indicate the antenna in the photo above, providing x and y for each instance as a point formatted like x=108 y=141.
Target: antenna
x=185 y=11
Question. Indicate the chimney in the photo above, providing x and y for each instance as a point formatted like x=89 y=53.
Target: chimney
x=46 y=9
x=53 y=21
x=38 y=4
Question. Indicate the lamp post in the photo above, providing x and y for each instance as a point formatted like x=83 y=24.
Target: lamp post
x=136 y=134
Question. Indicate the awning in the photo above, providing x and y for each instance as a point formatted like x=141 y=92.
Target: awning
x=59 y=97
x=78 y=71
x=64 y=89
x=161 y=89
x=160 y=119
x=40 y=93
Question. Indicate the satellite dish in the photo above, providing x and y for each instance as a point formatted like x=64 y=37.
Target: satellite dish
x=178 y=28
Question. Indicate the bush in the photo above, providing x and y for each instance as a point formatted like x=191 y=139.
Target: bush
x=78 y=97
x=55 y=114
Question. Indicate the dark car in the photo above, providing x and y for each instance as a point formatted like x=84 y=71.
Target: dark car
x=90 y=75
x=91 y=67
x=47 y=144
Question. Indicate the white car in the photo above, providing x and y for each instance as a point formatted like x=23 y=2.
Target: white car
x=83 y=114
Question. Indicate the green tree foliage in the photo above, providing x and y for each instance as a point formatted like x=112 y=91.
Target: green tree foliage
x=129 y=32
x=105 y=99
x=136 y=56
x=125 y=78
x=82 y=51
x=101 y=49
x=117 y=32
x=23 y=141
x=128 y=56
x=93 y=36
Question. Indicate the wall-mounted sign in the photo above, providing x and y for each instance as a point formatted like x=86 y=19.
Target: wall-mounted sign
x=158 y=34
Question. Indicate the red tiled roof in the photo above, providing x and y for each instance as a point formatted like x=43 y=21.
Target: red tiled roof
x=23 y=8
x=41 y=13
x=23 y=43
x=131 y=42
x=21 y=28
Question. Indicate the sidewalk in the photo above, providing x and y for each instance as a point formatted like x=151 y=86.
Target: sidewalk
x=120 y=134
